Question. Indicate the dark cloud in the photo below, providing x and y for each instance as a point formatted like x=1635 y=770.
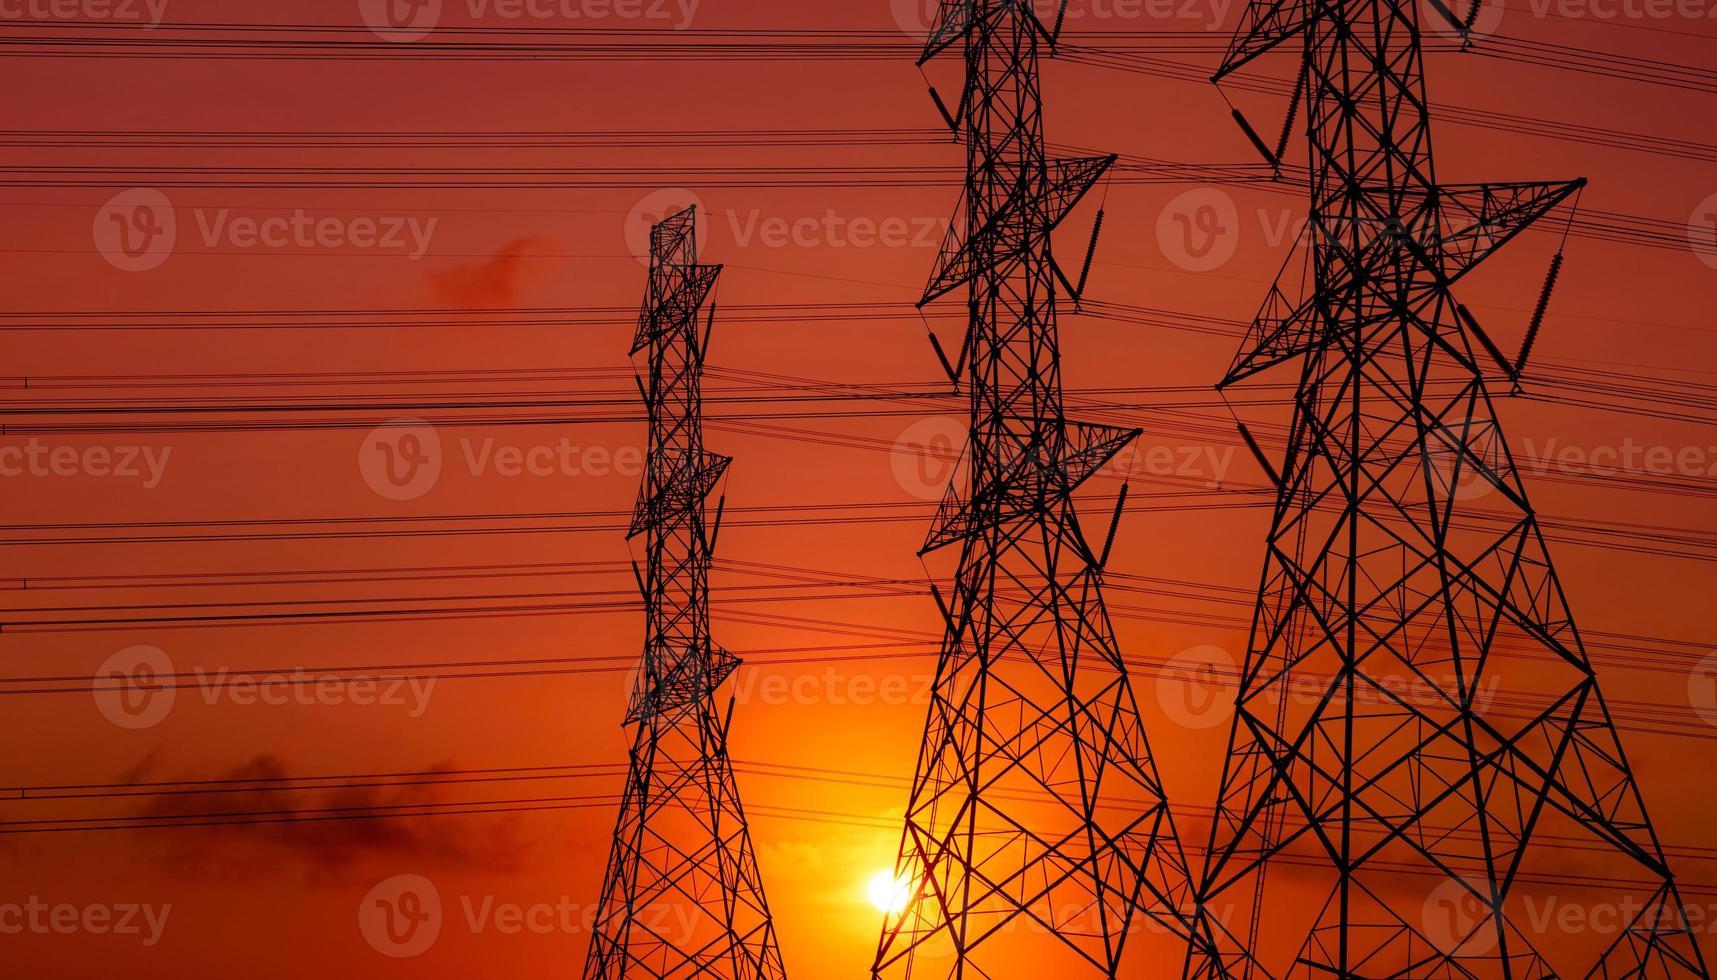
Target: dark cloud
x=256 y=828
x=493 y=282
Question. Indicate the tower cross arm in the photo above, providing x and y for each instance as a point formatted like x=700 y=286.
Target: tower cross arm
x=1474 y=220
x=1263 y=25
x=954 y=19
x=684 y=293
x=1065 y=184
x=1281 y=331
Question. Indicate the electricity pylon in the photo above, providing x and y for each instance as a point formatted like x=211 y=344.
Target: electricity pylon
x=1404 y=806
x=1037 y=835
x=682 y=896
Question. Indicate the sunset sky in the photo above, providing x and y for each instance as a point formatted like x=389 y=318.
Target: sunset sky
x=431 y=247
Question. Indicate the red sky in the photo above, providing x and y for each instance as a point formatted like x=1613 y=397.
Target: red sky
x=518 y=305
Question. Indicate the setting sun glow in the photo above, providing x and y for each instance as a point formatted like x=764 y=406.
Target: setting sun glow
x=888 y=893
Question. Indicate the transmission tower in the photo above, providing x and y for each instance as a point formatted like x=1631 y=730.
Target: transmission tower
x=682 y=896
x=1419 y=738
x=1037 y=832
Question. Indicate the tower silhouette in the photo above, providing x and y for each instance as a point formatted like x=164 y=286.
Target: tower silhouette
x=1037 y=832
x=1419 y=738
x=682 y=896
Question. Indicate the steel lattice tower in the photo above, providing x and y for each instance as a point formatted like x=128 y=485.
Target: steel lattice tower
x=1037 y=832
x=1406 y=574
x=682 y=896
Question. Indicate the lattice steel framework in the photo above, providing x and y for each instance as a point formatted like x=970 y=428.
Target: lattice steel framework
x=1037 y=835
x=682 y=896
x=1419 y=737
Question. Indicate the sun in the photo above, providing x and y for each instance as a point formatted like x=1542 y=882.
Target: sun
x=888 y=893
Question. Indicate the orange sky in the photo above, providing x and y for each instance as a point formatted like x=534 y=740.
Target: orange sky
x=823 y=757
